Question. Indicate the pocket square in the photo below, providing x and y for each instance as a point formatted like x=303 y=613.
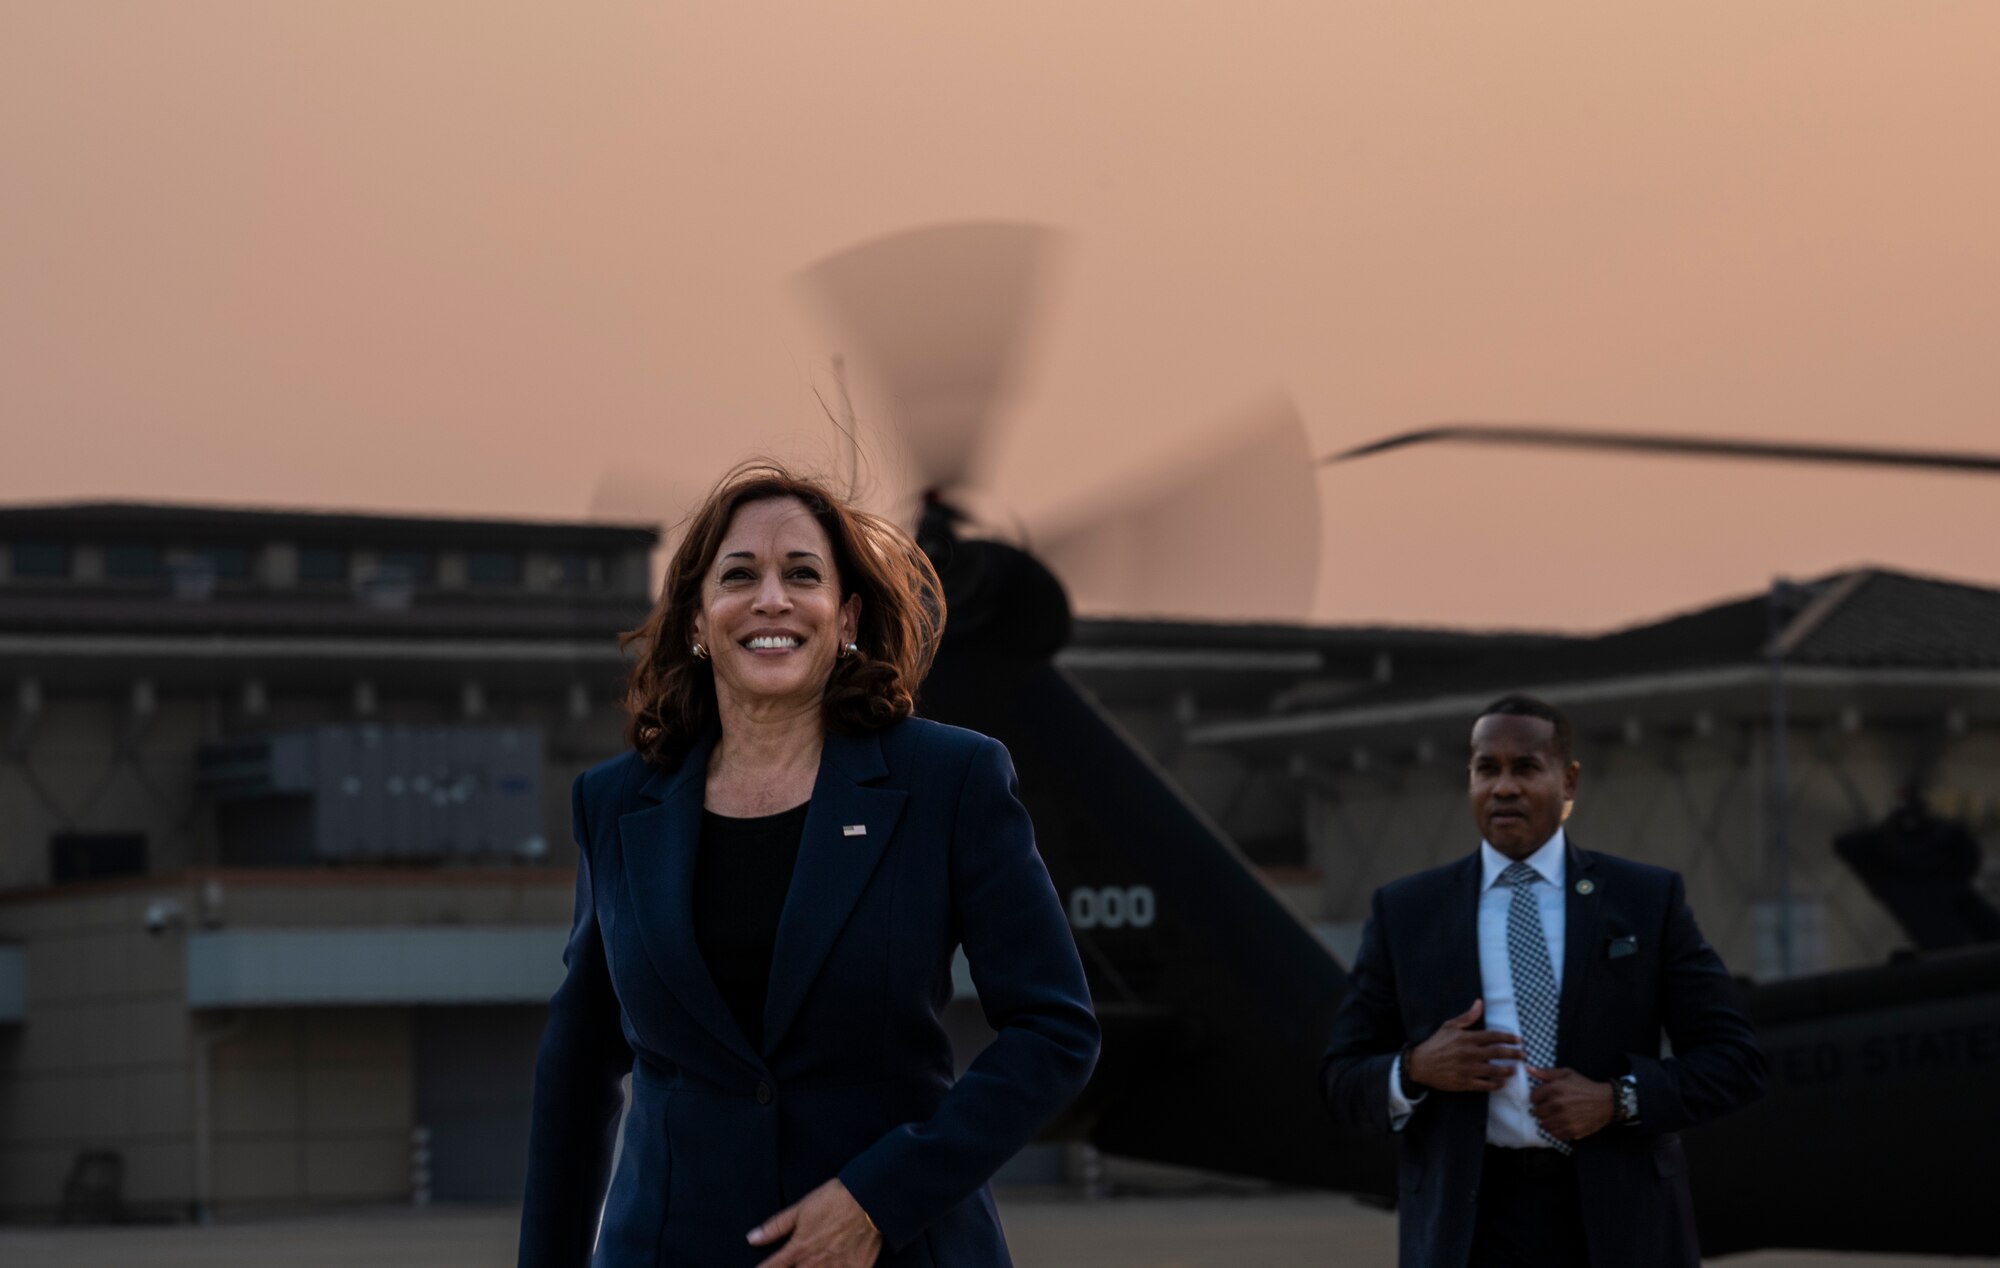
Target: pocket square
x=1619 y=948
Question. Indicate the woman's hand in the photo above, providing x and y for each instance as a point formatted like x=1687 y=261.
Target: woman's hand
x=828 y=1229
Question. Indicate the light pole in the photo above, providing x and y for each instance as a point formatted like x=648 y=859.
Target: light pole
x=1778 y=814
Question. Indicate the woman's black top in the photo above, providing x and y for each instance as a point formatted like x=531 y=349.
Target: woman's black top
x=742 y=870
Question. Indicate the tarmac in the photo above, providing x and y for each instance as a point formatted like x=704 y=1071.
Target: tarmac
x=1045 y=1230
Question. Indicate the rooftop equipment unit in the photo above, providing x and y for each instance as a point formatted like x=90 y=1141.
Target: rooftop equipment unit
x=377 y=794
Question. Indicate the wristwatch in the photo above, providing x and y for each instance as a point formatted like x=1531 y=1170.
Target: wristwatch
x=1625 y=1099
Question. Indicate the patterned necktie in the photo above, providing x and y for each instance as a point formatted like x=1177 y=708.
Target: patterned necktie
x=1535 y=994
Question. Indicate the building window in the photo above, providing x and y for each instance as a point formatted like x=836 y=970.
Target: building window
x=229 y=563
x=493 y=568
x=41 y=559
x=573 y=571
x=130 y=561
x=415 y=565
x=323 y=563
x=89 y=856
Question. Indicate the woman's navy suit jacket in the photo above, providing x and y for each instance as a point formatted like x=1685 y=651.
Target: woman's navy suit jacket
x=914 y=843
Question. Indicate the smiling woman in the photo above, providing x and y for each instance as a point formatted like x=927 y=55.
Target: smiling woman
x=770 y=889
x=891 y=604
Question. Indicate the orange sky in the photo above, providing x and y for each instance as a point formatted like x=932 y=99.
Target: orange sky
x=467 y=257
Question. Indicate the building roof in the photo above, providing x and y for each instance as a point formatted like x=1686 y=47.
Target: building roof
x=558 y=615
x=64 y=633
x=1862 y=618
x=98 y=520
x=1245 y=667
x=1876 y=639
x=1270 y=635
x=1875 y=617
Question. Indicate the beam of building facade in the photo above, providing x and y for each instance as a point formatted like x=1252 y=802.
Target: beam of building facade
x=271 y=968
x=91 y=647
x=13 y=985
x=1676 y=692
x=284 y=968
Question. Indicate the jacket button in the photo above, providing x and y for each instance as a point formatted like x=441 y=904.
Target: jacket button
x=763 y=1093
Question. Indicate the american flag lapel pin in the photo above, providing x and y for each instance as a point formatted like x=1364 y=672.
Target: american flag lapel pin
x=854 y=830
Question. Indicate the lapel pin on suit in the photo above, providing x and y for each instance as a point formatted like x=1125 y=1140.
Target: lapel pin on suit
x=1585 y=886
x=854 y=830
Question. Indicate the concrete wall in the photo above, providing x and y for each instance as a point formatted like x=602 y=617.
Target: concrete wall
x=91 y=764
x=100 y=1060
x=312 y=1106
x=337 y=899
x=307 y=1105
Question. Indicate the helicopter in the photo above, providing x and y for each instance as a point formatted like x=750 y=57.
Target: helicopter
x=1214 y=996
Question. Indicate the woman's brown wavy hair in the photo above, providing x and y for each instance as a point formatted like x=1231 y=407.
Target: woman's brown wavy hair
x=670 y=697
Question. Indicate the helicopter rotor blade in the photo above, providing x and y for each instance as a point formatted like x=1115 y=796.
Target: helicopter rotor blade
x=1228 y=531
x=1519 y=434
x=939 y=316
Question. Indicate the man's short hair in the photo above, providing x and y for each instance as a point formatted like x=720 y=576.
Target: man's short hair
x=1517 y=705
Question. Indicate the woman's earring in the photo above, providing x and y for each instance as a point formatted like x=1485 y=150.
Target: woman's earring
x=700 y=652
x=852 y=649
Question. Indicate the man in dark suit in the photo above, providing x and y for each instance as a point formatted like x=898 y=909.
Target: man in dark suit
x=1504 y=1017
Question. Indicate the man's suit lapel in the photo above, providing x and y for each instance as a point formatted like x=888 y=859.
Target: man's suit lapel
x=1581 y=905
x=658 y=845
x=847 y=826
x=1461 y=1120
x=1460 y=944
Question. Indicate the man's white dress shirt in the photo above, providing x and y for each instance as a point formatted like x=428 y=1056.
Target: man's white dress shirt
x=1509 y=1121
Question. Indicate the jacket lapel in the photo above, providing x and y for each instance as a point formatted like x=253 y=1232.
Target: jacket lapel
x=835 y=862
x=1460 y=943
x=658 y=846
x=1580 y=911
